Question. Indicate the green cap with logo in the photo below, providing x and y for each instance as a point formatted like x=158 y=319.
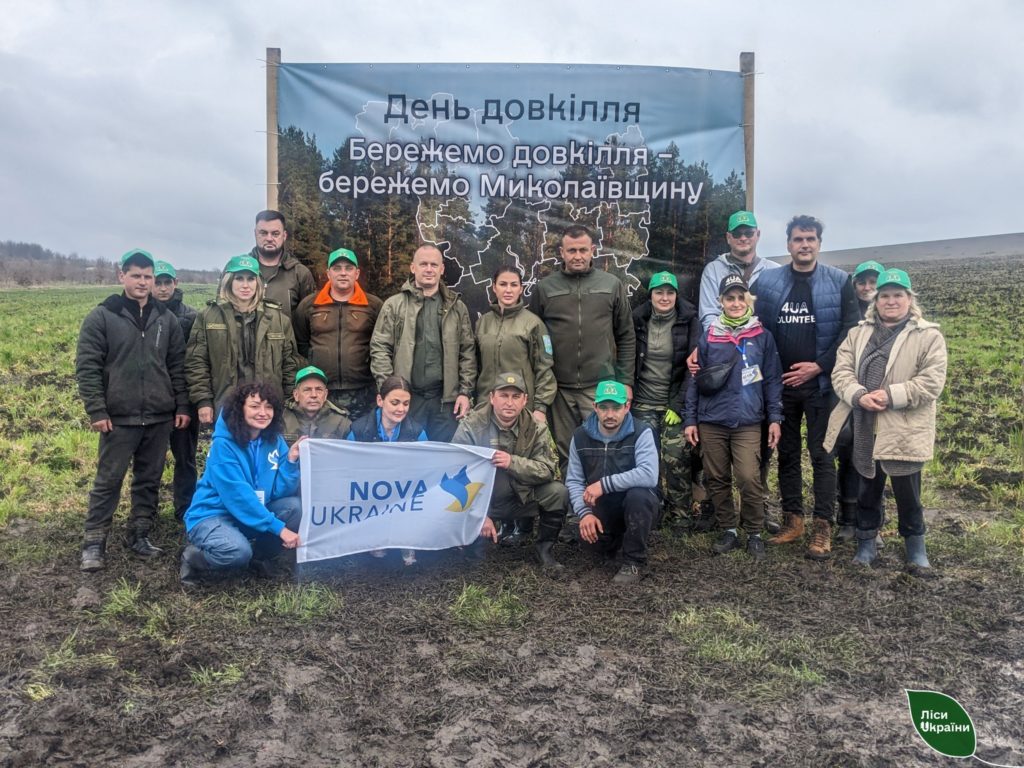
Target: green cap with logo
x=310 y=370
x=243 y=263
x=894 y=277
x=146 y=255
x=742 y=219
x=611 y=390
x=510 y=379
x=164 y=269
x=661 y=279
x=342 y=253
x=868 y=266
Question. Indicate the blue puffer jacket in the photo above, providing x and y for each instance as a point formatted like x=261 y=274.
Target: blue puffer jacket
x=735 y=405
x=233 y=475
x=827 y=284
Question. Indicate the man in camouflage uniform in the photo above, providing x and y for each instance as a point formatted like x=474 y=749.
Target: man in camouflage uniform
x=309 y=413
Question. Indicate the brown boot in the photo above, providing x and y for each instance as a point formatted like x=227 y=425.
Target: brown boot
x=820 y=547
x=792 y=529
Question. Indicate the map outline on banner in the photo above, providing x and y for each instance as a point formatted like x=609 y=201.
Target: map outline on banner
x=332 y=116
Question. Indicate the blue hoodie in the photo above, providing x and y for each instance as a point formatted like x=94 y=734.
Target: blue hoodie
x=233 y=475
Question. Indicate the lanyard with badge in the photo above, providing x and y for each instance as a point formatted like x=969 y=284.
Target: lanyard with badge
x=751 y=374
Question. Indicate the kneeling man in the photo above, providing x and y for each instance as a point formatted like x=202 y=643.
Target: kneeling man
x=310 y=413
x=613 y=480
x=524 y=484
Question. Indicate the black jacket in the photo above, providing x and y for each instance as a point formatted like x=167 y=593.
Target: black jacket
x=186 y=315
x=130 y=373
x=686 y=332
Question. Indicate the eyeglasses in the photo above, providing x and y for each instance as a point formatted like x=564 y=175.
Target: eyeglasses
x=742 y=232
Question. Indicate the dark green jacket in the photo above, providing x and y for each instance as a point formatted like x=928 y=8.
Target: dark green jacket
x=211 y=360
x=394 y=338
x=515 y=340
x=529 y=443
x=291 y=284
x=591 y=327
x=329 y=424
x=129 y=374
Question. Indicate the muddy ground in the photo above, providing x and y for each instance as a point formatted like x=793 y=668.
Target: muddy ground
x=710 y=661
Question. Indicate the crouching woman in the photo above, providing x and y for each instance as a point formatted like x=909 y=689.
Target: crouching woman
x=246 y=507
x=889 y=373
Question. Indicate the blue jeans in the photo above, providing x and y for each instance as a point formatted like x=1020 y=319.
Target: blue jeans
x=226 y=543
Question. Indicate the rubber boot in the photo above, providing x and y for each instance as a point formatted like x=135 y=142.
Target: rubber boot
x=847 y=521
x=917 y=558
x=867 y=547
x=548 y=528
x=193 y=563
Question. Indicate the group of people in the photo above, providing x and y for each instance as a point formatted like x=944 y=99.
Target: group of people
x=635 y=401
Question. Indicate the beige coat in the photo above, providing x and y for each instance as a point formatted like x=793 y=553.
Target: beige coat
x=914 y=375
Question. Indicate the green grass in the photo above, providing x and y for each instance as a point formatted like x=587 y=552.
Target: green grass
x=209 y=677
x=770 y=665
x=475 y=608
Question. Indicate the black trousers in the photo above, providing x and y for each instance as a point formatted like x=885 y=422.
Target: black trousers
x=183 y=450
x=549 y=504
x=800 y=403
x=627 y=518
x=145 y=449
x=907 y=491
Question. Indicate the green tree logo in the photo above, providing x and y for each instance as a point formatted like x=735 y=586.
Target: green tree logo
x=944 y=725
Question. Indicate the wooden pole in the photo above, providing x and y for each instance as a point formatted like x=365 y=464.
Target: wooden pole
x=273 y=62
x=747 y=73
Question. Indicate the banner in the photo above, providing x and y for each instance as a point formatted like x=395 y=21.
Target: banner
x=491 y=162
x=362 y=496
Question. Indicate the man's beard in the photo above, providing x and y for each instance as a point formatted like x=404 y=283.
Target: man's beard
x=270 y=254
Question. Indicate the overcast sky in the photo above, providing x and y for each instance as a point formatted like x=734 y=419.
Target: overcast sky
x=128 y=124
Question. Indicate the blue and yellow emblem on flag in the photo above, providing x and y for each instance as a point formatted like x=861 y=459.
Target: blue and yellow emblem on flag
x=462 y=489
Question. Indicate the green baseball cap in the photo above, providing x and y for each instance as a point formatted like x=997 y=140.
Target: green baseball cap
x=342 y=253
x=162 y=268
x=661 y=279
x=509 y=379
x=611 y=390
x=137 y=252
x=243 y=263
x=310 y=370
x=894 y=277
x=742 y=219
x=867 y=266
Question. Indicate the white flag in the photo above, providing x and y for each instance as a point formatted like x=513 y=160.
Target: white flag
x=358 y=497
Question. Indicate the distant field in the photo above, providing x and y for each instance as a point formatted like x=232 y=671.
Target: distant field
x=963 y=248
x=710 y=661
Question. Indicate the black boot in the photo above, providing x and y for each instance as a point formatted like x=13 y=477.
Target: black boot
x=847 y=520
x=193 y=563
x=548 y=528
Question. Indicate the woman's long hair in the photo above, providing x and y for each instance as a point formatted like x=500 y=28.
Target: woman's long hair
x=225 y=294
x=234 y=411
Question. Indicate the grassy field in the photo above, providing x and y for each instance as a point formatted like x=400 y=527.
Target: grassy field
x=709 y=662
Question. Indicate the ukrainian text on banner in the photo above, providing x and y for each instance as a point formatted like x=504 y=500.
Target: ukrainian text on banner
x=362 y=496
x=491 y=161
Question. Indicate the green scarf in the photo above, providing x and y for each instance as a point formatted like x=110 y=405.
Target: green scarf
x=736 y=322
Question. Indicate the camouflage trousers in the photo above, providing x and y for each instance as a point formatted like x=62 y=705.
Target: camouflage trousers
x=676 y=461
x=357 y=402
